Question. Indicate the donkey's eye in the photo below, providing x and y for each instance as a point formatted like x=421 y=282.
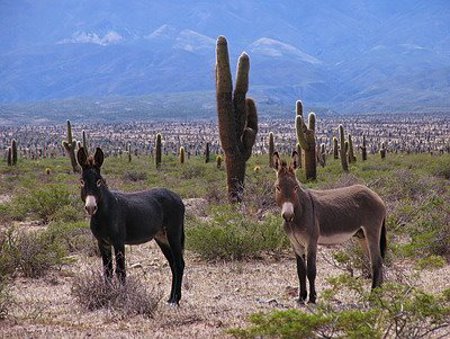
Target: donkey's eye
x=99 y=182
x=81 y=182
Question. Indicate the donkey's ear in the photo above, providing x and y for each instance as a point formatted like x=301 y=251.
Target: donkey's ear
x=82 y=157
x=276 y=161
x=295 y=162
x=99 y=157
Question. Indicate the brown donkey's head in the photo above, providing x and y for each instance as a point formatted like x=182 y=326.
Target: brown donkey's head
x=286 y=185
x=91 y=181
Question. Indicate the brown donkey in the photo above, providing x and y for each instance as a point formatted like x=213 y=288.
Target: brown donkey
x=327 y=217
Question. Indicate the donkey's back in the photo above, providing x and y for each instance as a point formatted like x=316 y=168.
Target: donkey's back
x=348 y=209
x=148 y=213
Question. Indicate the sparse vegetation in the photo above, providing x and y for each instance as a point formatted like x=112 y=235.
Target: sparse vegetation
x=92 y=292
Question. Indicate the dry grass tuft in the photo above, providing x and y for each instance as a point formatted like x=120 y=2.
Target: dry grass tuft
x=130 y=299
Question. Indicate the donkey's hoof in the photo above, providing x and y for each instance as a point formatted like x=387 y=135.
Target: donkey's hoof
x=172 y=303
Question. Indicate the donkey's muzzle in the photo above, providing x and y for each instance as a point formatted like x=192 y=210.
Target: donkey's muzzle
x=90 y=205
x=287 y=211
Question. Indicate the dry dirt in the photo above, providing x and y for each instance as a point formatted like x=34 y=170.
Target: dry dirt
x=216 y=296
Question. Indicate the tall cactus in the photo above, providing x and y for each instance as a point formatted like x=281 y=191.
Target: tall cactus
x=306 y=137
x=9 y=157
x=351 y=154
x=237 y=116
x=383 y=150
x=85 y=143
x=335 y=148
x=14 y=152
x=182 y=155
x=271 y=149
x=69 y=146
x=299 y=111
x=158 y=151
x=207 y=153
x=363 y=148
x=344 y=149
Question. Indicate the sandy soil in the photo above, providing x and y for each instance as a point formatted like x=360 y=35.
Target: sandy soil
x=216 y=297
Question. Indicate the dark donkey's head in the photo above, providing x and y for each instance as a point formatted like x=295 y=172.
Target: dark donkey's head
x=91 y=180
x=286 y=185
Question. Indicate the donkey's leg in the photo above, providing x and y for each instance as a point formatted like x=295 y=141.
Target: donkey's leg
x=311 y=271
x=175 y=236
x=119 y=251
x=375 y=258
x=165 y=248
x=301 y=271
x=363 y=243
x=105 y=251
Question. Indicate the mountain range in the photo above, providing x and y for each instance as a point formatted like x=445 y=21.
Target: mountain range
x=346 y=56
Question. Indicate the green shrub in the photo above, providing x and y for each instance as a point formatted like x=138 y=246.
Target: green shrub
x=5 y=300
x=32 y=253
x=75 y=237
x=42 y=202
x=231 y=235
x=395 y=310
x=431 y=262
x=92 y=292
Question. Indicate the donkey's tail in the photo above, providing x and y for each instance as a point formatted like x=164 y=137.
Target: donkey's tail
x=383 y=241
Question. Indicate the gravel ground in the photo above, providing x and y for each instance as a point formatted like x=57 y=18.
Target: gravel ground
x=216 y=296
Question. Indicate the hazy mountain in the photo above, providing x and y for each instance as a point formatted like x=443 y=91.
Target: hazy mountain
x=346 y=55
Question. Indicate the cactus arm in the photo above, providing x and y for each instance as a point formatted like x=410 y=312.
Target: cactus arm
x=312 y=121
x=301 y=137
x=224 y=87
x=240 y=91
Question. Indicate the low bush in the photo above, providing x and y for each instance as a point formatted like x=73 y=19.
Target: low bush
x=5 y=300
x=232 y=235
x=32 y=253
x=396 y=310
x=42 y=202
x=75 y=237
x=92 y=292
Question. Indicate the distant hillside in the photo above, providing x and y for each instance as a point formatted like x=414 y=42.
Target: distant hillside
x=348 y=56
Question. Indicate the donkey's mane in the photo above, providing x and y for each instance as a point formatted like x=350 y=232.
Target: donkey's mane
x=90 y=161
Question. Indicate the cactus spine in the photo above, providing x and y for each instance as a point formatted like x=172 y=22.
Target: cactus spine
x=158 y=151
x=351 y=155
x=271 y=149
x=335 y=148
x=364 y=149
x=344 y=149
x=237 y=117
x=13 y=152
x=69 y=146
x=182 y=155
x=306 y=137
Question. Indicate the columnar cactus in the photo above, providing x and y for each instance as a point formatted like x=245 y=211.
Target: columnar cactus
x=351 y=154
x=322 y=155
x=128 y=150
x=299 y=111
x=306 y=137
x=335 y=148
x=9 y=157
x=69 y=146
x=363 y=149
x=14 y=152
x=237 y=116
x=219 y=161
x=271 y=149
x=158 y=151
x=383 y=150
x=344 y=149
x=85 y=142
x=207 y=153
x=182 y=155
